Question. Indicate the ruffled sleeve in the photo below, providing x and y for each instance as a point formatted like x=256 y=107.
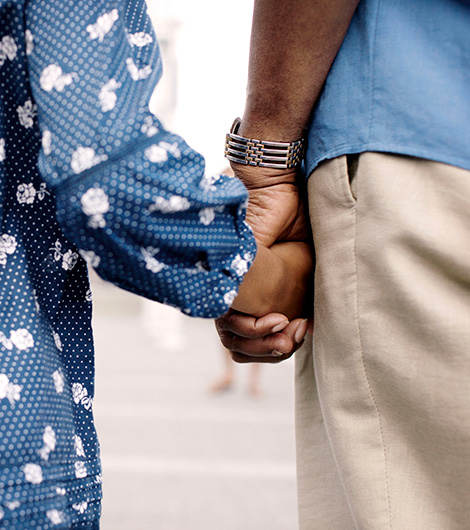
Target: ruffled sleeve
x=132 y=196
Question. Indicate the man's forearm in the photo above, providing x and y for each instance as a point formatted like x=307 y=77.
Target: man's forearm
x=293 y=45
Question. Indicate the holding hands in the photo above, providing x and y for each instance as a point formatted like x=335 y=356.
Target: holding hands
x=267 y=321
x=287 y=70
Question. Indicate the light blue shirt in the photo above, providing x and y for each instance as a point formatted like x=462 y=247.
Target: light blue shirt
x=400 y=84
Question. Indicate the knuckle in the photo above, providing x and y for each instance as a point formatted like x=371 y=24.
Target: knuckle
x=227 y=341
x=220 y=323
x=239 y=358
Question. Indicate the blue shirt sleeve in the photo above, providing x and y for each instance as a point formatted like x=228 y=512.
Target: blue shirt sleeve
x=132 y=196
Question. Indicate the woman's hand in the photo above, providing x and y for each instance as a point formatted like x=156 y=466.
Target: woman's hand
x=268 y=339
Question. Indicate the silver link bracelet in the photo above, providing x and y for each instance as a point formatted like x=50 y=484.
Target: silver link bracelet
x=251 y=152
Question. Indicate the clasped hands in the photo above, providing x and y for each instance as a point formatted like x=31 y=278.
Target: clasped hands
x=268 y=319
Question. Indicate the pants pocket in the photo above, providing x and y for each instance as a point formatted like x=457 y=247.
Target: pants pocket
x=352 y=166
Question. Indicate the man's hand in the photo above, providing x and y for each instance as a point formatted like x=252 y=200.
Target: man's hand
x=287 y=71
x=276 y=211
x=269 y=339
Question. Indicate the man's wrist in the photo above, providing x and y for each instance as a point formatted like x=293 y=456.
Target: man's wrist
x=255 y=177
x=272 y=120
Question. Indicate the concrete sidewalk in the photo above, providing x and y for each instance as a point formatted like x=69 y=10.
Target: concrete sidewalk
x=175 y=456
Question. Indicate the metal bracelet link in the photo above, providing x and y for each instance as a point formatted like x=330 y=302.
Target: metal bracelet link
x=251 y=152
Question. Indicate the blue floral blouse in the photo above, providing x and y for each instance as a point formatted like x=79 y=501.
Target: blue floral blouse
x=88 y=174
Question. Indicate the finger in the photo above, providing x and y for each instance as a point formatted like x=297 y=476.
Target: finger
x=296 y=330
x=310 y=326
x=251 y=327
x=259 y=347
x=277 y=344
x=272 y=359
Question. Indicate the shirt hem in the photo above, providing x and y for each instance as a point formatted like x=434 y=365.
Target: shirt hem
x=444 y=158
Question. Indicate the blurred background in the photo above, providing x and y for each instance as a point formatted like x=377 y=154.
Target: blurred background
x=190 y=441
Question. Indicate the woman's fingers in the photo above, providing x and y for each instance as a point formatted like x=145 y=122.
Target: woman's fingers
x=251 y=327
x=270 y=359
x=270 y=338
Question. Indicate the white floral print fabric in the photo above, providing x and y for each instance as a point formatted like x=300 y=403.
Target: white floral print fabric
x=80 y=506
x=33 y=473
x=84 y=158
x=230 y=296
x=8 y=49
x=80 y=469
x=151 y=263
x=19 y=338
x=9 y=390
x=159 y=153
x=53 y=77
x=140 y=39
x=67 y=258
x=206 y=216
x=22 y=339
x=173 y=204
x=80 y=396
x=27 y=193
x=90 y=257
x=58 y=379
x=26 y=114
x=240 y=265
x=57 y=340
x=8 y=246
x=137 y=73
x=88 y=176
x=78 y=443
x=108 y=96
x=46 y=142
x=49 y=443
x=95 y=204
x=29 y=41
x=103 y=25
x=148 y=127
x=56 y=517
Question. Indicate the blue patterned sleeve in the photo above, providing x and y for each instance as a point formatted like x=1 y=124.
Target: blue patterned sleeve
x=132 y=196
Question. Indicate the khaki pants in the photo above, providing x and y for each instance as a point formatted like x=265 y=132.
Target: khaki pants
x=383 y=404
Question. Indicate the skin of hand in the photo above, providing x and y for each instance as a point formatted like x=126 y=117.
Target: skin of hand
x=276 y=207
x=269 y=339
x=293 y=45
x=276 y=212
x=277 y=281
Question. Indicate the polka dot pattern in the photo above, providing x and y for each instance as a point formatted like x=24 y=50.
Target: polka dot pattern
x=88 y=174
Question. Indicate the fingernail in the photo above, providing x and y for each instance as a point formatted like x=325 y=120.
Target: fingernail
x=280 y=326
x=276 y=353
x=301 y=331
